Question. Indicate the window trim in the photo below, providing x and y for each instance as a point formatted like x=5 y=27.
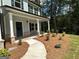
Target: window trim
x=15 y=1
x=30 y=8
x=36 y=11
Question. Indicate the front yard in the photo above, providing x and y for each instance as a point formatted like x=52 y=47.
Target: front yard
x=69 y=47
x=73 y=52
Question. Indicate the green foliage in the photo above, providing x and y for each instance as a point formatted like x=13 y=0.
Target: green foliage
x=60 y=38
x=63 y=34
x=52 y=30
x=48 y=31
x=70 y=18
x=4 y=53
x=47 y=37
x=58 y=45
x=20 y=42
x=54 y=34
x=42 y=32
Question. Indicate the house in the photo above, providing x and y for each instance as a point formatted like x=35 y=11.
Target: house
x=20 y=18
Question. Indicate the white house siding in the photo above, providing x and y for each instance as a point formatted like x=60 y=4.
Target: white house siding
x=25 y=27
x=6 y=2
x=24 y=24
x=0 y=10
x=7 y=26
x=0 y=2
x=25 y=5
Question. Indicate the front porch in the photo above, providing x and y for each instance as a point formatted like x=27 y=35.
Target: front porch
x=20 y=24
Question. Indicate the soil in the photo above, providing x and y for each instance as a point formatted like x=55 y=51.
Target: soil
x=52 y=52
x=19 y=51
x=56 y=53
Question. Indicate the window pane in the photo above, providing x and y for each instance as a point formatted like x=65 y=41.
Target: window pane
x=31 y=25
x=36 y=11
x=36 y=26
x=12 y=2
x=18 y=0
x=17 y=4
x=30 y=8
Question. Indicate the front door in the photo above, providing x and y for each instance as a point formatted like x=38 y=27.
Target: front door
x=19 y=31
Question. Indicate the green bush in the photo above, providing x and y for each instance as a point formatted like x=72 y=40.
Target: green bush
x=4 y=52
x=52 y=30
x=20 y=42
x=58 y=45
x=48 y=31
x=63 y=34
x=47 y=37
x=60 y=38
x=54 y=34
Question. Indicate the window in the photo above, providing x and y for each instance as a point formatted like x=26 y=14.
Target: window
x=30 y=8
x=18 y=0
x=41 y=12
x=31 y=26
x=35 y=26
x=36 y=11
x=17 y=3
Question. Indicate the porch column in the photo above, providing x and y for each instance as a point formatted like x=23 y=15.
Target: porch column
x=11 y=28
x=38 y=27
x=49 y=25
x=28 y=26
x=1 y=40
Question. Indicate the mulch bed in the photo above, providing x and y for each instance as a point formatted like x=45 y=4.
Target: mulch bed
x=56 y=53
x=52 y=52
x=18 y=52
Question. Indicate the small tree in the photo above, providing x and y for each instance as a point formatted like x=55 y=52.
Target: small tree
x=20 y=42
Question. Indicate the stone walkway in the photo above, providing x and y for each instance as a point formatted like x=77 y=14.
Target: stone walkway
x=36 y=50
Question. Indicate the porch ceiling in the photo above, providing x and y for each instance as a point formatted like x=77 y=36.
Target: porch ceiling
x=20 y=13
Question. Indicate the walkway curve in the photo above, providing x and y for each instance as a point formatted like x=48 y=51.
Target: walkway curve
x=36 y=50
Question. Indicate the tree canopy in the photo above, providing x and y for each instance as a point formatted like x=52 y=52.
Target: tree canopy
x=66 y=13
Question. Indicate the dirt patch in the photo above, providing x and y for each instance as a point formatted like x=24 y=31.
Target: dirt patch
x=19 y=51
x=55 y=53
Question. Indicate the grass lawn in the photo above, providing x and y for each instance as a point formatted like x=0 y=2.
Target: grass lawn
x=73 y=52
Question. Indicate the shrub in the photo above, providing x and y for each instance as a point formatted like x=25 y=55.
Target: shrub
x=54 y=34
x=57 y=31
x=63 y=34
x=60 y=38
x=58 y=45
x=47 y=37
x=52 y=30
x=4 y=52
x=42 y=32
x=48 y=31
x=20 y=42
